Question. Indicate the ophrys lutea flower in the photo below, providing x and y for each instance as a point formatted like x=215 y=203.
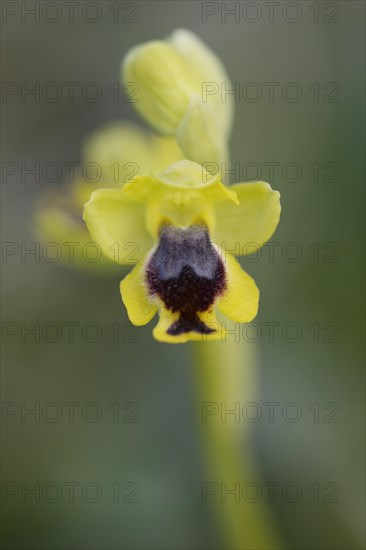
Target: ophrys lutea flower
x=184 y=222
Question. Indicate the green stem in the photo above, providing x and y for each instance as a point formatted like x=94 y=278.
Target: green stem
x=226 y=374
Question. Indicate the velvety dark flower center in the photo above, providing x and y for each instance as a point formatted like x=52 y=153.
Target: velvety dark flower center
x=187 y=273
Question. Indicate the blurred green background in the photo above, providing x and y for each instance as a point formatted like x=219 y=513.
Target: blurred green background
x=320 y=293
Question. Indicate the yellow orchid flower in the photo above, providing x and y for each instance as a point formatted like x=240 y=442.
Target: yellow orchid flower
x=117 y=152
x=183 y=222
x=179 y=83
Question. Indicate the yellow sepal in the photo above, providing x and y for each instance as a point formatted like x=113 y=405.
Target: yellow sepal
x=117 y=224
x=252 y=222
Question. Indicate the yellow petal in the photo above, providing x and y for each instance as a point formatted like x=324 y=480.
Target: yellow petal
x=117 y=224
x=140 y=308
x=240 y=301
x=185 y=176
x=183 y=194
x=254 y=220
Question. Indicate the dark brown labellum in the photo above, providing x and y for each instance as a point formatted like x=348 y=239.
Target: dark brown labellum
x=187 y=273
